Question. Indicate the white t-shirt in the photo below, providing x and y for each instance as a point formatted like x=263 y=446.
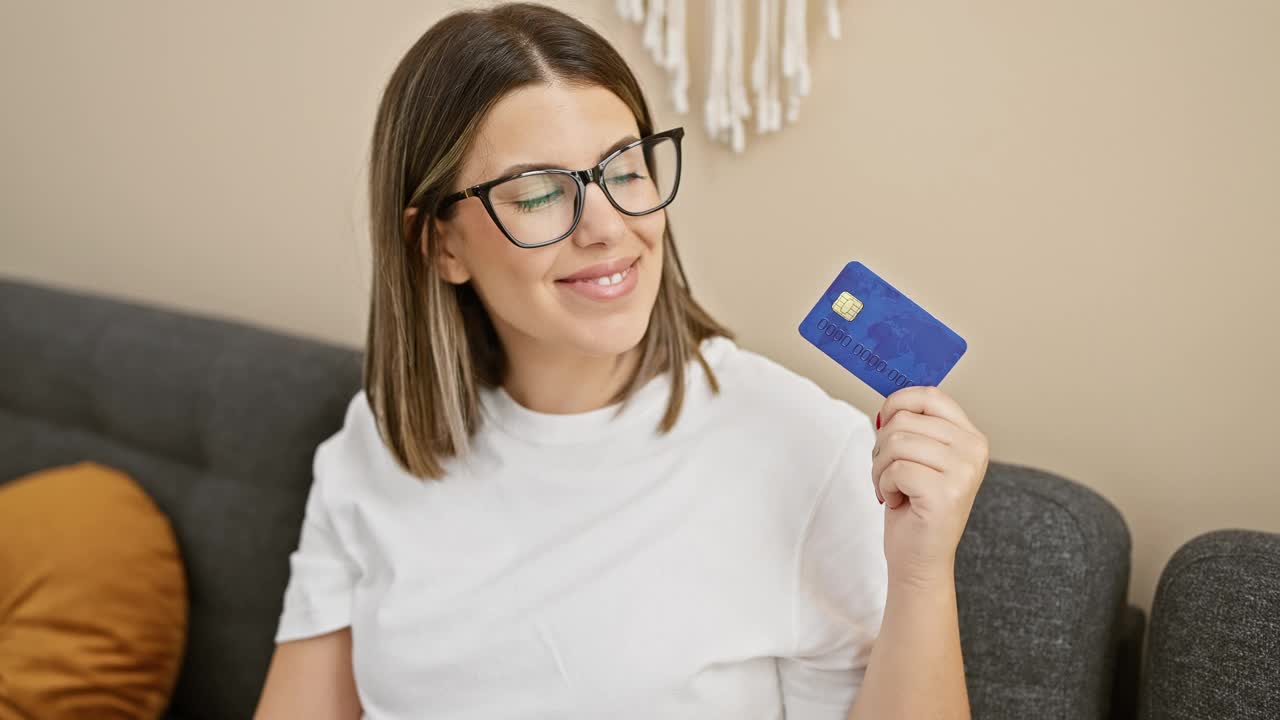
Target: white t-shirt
x=585 y=566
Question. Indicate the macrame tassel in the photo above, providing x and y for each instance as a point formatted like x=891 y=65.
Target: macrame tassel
x=727 y=102
x=677 y=62
x=739 y=107
x=632 y=10
x=715 y=110
x=763 y=78
x=759 y=66
x=795 y=57
x=653 y=29
x=775 y=72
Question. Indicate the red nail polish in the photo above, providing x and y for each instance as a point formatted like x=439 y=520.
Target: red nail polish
x=877 y=421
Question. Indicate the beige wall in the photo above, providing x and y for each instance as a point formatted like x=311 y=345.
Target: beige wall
x=1089 y=192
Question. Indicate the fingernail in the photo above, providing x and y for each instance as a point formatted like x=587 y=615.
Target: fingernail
x=881 y=500
x=878 y=426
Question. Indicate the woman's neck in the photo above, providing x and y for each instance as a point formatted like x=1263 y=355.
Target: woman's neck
x=567 y=382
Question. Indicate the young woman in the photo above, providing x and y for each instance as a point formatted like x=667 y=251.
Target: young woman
x=564 y=491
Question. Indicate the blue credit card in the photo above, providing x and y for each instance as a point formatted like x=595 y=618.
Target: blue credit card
x=879 y=334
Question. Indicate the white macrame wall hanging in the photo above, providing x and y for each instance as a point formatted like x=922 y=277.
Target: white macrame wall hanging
x=776 y=60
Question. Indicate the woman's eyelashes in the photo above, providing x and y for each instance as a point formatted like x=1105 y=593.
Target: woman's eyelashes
x=624 y=178
x=541 y=201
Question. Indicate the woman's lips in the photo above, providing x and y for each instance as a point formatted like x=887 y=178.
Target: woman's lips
x=593 y=289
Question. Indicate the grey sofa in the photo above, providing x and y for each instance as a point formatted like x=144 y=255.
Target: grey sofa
x=1214 y=646
x=218 y=421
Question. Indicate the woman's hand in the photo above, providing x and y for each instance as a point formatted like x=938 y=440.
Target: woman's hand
x=926 y=466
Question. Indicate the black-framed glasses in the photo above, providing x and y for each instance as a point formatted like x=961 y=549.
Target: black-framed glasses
x=540 y=207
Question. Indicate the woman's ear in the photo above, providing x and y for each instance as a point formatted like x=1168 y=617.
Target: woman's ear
x=448 y=263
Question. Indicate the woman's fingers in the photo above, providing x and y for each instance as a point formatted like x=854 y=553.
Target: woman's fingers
x=906 y=448
x=904 y=479
x=934 y=427
x=926 y=400
x=923 y=433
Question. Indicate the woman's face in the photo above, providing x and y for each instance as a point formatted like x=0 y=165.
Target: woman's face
x=534 y=306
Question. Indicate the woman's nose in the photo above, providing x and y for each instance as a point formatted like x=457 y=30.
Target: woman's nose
x=601 y=221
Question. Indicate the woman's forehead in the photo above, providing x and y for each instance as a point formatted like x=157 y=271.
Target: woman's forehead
x=556 y=124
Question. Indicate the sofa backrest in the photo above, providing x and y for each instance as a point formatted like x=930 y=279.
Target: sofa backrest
x=218 y=421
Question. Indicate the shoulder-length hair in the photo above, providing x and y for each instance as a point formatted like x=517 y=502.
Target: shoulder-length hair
x=431 y=345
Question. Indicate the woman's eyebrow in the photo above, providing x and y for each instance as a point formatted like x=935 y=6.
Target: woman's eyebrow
x=526 y=167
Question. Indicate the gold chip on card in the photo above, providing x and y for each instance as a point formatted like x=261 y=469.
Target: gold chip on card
x=847 y=306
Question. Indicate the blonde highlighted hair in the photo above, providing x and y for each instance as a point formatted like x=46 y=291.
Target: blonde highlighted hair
x=431 y=345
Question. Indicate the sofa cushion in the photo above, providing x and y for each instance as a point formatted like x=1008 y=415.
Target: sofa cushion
x=93 y=598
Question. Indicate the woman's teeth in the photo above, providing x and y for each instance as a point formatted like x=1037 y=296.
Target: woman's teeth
x=613 y=279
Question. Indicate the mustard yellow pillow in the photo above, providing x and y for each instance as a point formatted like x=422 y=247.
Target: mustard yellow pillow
x=93 y=597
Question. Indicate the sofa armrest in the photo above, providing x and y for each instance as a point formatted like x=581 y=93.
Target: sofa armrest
x=1213 y=650
x=1042 y=576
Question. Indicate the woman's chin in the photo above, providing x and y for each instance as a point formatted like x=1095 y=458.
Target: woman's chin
x=605 y=339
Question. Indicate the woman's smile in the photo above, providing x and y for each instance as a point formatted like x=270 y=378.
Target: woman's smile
x=597 y=283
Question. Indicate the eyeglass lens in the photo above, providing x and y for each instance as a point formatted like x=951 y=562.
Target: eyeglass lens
x=539 y=208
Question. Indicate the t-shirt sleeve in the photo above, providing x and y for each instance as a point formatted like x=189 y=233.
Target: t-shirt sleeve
x=841 y=587
x=322 y=574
